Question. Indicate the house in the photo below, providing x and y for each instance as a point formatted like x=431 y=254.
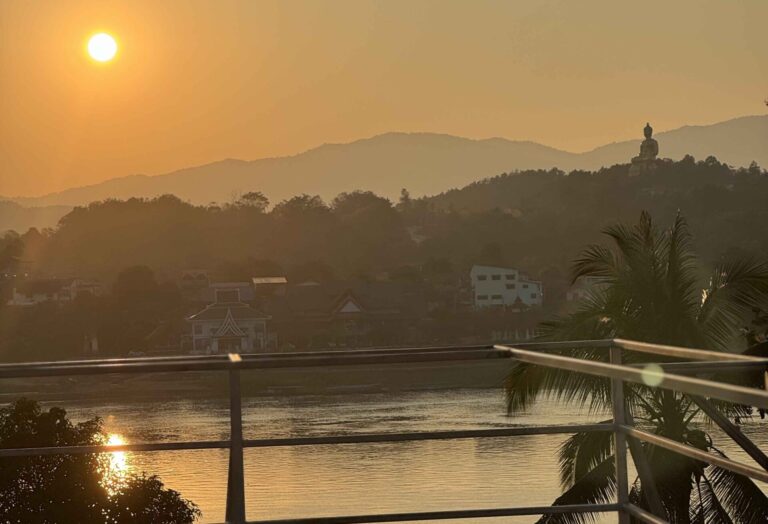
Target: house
x=229 y=324
x=32 y=292
x=494 y=286
x=583 y=287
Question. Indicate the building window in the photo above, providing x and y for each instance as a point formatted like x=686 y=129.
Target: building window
x=496 y=297
x=510 y=286
x=525 y=286
x=495 y=277
x=510 y=276
x=198 y=329
x=482 y=297
x=533 y=295
x=482 y=277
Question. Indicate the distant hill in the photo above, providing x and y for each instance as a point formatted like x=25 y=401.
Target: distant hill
x=424 y=163
x=20 y=218
x=735 y=142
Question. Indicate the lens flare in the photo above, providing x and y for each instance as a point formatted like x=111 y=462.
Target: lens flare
x=653 y=375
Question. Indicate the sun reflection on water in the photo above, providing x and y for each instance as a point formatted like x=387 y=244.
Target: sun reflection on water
x=117 y=465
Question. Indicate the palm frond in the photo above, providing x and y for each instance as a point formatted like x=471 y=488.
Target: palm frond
x=744 y=500
x=735 y=289
x=598 y=486
x=596 y=261
x=706 y=507
x=582 y=452
x=526 y=383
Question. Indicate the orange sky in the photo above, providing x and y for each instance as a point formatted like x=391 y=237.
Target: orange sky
x=198 y=81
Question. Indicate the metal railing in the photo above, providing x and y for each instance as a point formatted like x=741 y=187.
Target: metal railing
x=622 y=427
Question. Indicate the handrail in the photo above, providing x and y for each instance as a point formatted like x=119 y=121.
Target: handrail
x=362 y=438
x=691 y=385
x=268 y=361
x=244 y=356
x=678 y=352
x=695 y=453
x=535 y=353
x=455 y=514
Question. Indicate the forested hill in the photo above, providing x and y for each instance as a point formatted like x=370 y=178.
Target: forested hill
x=727 y=208
x=535 y=220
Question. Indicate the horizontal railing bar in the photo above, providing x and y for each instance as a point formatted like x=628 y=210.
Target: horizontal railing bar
x=644 y=516
x=364 y=351
x=191 y=362
x=113 y=448
x=312 y=441
x=272 y=362
x=691 y=385
x=246 y=356
x=564 y=344
x=428 y=435
x=126 y=360
x=455 y=514
x=695 y=453
x=711 y=366
x=674 y=351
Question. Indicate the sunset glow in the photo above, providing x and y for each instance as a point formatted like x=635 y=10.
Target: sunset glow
x=453 y=260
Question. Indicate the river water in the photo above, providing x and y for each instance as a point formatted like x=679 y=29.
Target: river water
x=355 y=478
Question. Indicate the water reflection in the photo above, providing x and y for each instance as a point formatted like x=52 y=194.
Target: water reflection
x=116 y=465
x=284 y=483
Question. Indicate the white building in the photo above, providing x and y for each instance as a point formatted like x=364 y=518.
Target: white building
x=32 y=292
x=501 y=286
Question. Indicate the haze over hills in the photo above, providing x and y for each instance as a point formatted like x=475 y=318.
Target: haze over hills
x=19 y=218
x=424 y=163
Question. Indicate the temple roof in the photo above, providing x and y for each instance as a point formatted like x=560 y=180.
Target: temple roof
x=235 y=310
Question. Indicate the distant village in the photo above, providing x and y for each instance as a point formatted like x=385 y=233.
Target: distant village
x=269 y=313
x=256 y=305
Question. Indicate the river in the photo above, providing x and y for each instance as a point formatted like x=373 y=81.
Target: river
x=345 y=479
x=352 y=479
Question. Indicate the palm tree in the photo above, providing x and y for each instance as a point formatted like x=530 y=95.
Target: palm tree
x=651 y=290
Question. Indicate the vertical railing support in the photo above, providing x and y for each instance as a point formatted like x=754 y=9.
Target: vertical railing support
x=647 y=482
x=619 y=439
x=235 y=513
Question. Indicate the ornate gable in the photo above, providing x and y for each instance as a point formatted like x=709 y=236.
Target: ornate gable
x=229 y=327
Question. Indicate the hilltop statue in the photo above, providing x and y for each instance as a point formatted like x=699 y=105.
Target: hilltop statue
x=649 y=149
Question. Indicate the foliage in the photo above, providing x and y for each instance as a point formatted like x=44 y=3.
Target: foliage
x=536 y=220
x=651 y=289
x=72 y=488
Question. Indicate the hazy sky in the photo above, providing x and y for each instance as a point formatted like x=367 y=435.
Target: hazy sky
x=198 y=81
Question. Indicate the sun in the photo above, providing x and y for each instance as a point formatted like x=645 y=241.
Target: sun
x=102 y=47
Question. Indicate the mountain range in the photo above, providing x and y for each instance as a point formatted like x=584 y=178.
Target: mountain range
x=424 y=163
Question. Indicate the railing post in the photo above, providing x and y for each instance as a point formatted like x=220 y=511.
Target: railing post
x=235 y=513
x=619 y=439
